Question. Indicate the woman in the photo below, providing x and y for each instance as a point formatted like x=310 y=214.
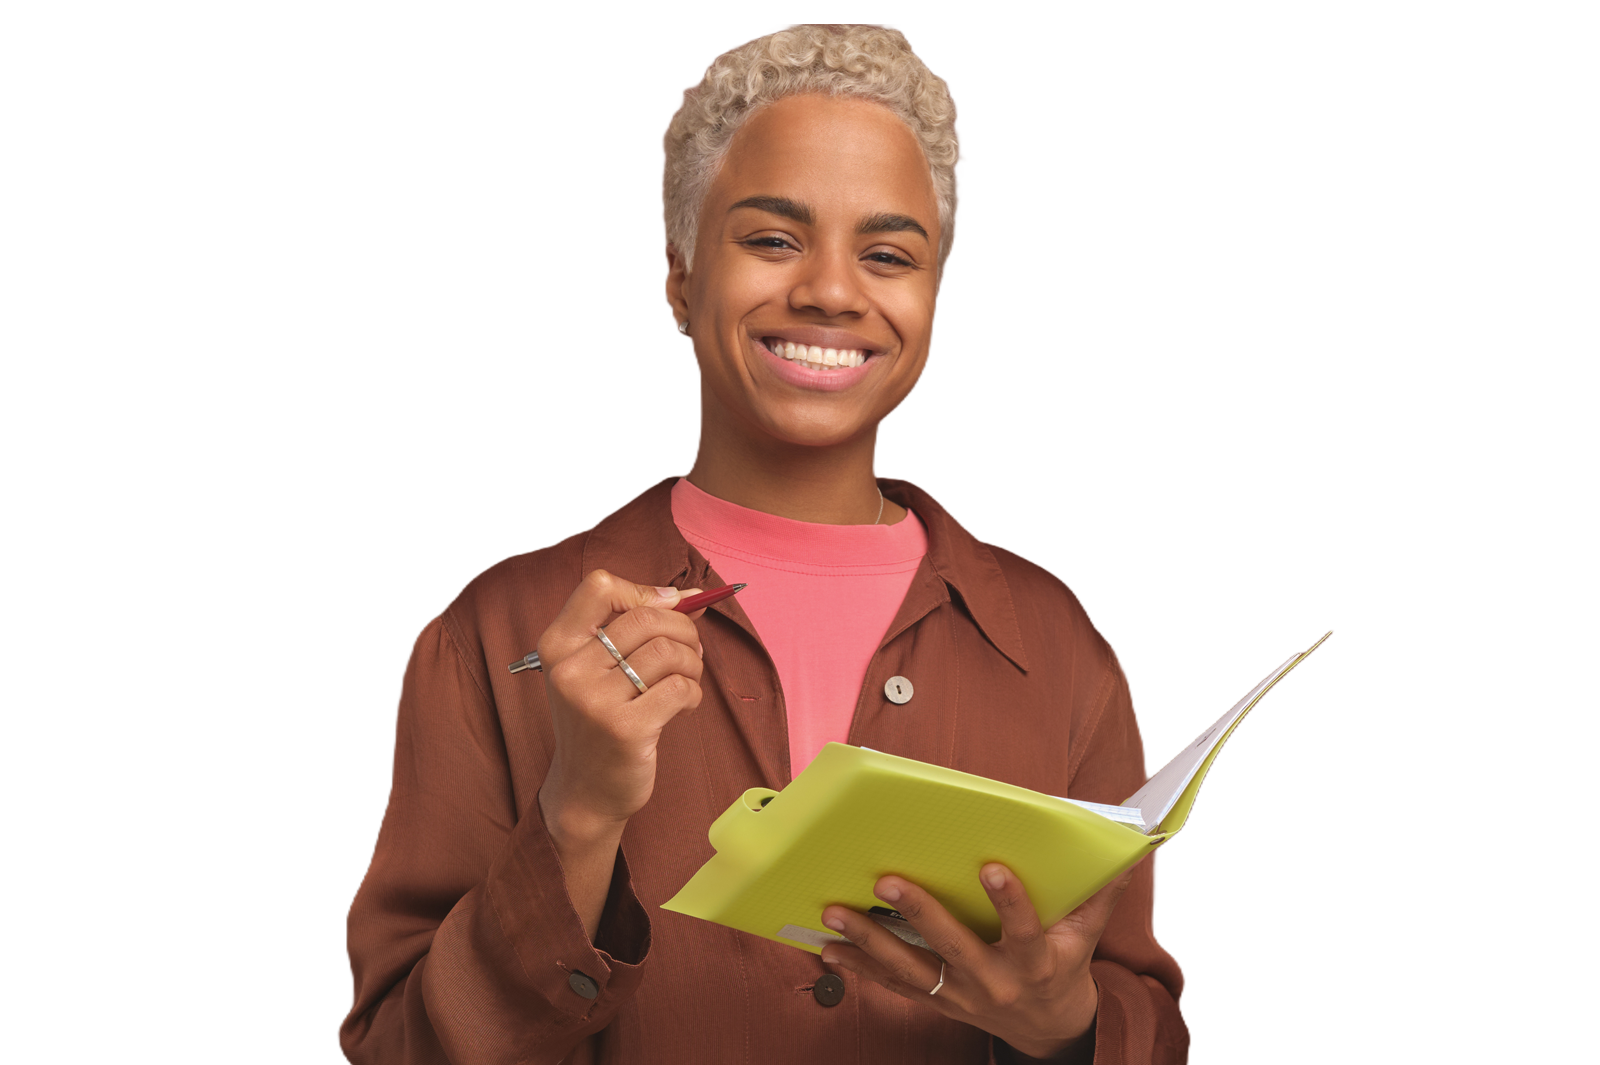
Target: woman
x=536 y=823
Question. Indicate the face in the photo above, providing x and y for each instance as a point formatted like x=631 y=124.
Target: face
x=812 y=291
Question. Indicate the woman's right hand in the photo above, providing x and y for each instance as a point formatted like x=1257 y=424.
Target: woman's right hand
x=606 y=731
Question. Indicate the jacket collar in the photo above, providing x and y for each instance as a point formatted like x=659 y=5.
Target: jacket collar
x=640 y=543
x=968 y=567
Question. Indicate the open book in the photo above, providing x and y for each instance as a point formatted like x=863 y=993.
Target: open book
x=854 y=815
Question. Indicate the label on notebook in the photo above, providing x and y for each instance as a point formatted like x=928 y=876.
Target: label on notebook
x=802 y=934
x=894 y=922
x=889 y=919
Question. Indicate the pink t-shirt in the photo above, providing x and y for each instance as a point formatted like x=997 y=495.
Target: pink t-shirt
x=821 y=598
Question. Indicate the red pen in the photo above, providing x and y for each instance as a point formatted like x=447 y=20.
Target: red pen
x=685 y=606
x=715 y=595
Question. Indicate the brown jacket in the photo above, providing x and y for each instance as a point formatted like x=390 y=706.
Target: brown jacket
x=463 y=940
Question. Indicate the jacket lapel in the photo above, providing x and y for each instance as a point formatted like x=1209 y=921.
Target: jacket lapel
x=641 y=543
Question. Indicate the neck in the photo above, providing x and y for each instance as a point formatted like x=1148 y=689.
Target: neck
x=830 y=485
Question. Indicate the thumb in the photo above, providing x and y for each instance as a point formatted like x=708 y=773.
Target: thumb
x=599 y=598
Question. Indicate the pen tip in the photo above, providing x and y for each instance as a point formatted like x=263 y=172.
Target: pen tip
x=741 y=587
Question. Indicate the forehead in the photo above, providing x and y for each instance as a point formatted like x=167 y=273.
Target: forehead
x=843 y=157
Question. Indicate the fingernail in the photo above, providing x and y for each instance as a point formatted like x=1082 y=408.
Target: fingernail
x=830 y=957
x=669 y=594
x=888 y=893
x=995 y=879
x=834 y=923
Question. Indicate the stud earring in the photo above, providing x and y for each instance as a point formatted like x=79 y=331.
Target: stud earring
x=683 y=327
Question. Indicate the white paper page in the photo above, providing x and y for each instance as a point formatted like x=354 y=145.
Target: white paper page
x=1156 y=799
x=1127 y=815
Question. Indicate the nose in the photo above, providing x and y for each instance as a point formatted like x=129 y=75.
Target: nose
x=829 y=284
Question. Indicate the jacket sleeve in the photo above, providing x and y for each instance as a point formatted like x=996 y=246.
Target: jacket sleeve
x=1138 y=1022
x=464 y=945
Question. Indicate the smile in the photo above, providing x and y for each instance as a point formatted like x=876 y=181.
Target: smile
x=813 y=357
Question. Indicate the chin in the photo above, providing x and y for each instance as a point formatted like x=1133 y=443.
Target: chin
x=806 y=432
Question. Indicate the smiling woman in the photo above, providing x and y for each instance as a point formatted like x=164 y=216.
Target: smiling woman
x=810 y=297
x=537 y=821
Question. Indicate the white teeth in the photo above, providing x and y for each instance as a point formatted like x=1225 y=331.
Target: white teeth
x=815 y=357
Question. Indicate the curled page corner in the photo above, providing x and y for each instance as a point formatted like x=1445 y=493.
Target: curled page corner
x=1161 y=793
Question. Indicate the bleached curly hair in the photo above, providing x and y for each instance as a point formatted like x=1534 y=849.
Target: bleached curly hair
x=870 y=62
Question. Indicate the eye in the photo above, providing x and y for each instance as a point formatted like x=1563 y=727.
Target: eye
x=889 y=259
x=767 y=242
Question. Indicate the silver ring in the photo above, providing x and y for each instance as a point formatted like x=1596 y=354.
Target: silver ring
x=622 y=663
x=940 y=984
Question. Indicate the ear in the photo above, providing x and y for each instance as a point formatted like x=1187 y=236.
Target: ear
x=677 y=279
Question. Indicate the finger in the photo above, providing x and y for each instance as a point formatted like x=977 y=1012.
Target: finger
x=1022 y=935
x=662 y=657
x=853 y=959
x=598 y=598
x=663 y=700
x=592 y=679
x=894 y=963
x=595 y=682
x=640 y=625
x=946 y=936
x=693 y=615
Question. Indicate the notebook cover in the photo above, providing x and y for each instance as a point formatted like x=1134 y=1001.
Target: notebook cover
x=854 y=815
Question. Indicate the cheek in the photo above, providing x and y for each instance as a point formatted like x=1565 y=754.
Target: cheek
x=911 y=318
x=727 y=291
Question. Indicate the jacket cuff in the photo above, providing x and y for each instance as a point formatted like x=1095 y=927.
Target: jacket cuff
x=1137 y=1022
x=527 y=891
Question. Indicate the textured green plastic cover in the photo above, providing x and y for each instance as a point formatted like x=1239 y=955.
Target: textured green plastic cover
x=854 y=815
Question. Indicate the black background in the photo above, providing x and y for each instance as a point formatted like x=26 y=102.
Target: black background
x=202 y=814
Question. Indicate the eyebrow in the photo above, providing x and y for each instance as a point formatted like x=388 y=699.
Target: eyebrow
x=891 y=223
x=778 y=205
x=881 y=222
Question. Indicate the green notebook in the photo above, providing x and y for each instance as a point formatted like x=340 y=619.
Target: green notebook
x=854 y=815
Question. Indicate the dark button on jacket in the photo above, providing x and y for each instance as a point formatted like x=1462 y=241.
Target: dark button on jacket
x=829 y=990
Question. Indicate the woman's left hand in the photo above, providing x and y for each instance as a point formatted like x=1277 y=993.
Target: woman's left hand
x=1032 y=988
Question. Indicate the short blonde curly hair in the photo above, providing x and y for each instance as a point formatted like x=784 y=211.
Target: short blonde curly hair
x=871 y=62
